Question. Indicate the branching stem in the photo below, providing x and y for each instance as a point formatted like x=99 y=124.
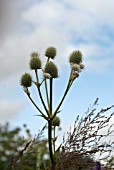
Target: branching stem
x=38 y=87
x=65 y=93
x=37 y=107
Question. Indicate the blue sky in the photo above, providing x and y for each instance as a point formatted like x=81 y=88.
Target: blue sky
x=31 y=25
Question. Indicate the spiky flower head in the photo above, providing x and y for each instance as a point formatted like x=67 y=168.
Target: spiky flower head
x=26 y=80
x=35 y=62
x=75 y=57
x=56 y=121
x=50 y=52
x=34 y=54
x=51 y=69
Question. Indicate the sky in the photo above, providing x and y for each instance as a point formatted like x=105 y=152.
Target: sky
x=34 y=25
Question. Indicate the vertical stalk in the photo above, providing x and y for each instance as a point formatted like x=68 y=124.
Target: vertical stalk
x=50 y=126
x=54 y=139
x=40 y=92
x=46 y=93
x=51 y=93
x=50 y=142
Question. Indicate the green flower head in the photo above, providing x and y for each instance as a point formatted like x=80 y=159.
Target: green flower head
x=56 y=121
x=75 y=57
x=34 y=54
x=50 y=52
x=35 y=63
x=26 y=80
x=51 y=68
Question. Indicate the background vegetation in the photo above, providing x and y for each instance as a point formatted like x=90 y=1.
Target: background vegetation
x=81 y=148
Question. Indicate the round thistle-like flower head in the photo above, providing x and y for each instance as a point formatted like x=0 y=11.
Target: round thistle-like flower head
x=26 y=80
x=56 y=121
x=34 y=54
x=50 y=52
x=75 y=57
x=35 y=62
x=51 y=68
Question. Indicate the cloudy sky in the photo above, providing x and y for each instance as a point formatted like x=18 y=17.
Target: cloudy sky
x=33 y=25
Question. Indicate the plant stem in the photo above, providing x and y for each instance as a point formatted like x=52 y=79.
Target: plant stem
x=54 y=139
x=51 y=93
x=65 y=93
x=40 y=92
x=37 y=107
x=46 y=92
x=50 y=141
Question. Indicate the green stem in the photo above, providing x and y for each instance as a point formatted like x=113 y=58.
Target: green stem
x=66 y=91
x=51 y=93
x=47 y=60
x=50 y=141
x=40 y=92
x=54 y=139
x=46 y=92
x=37 y=107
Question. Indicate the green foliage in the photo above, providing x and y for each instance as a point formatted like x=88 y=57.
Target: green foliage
x=19 y=153
x=10 y=143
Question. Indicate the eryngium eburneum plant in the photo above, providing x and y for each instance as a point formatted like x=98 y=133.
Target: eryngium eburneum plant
x=50 y=72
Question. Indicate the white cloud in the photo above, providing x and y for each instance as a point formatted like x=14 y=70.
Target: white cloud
x=101 y=10
x=79 y=20
x=9 y=109
x=54 y=23
x=43 y=13
x=68 y=25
